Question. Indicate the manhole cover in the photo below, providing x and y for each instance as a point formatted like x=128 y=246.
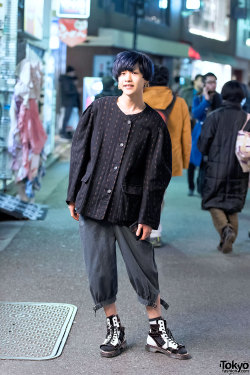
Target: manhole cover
x=34 y=331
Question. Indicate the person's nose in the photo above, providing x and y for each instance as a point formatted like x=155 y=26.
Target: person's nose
x=128 y=76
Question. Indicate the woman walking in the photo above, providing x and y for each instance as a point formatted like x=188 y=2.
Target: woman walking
x=226 y=185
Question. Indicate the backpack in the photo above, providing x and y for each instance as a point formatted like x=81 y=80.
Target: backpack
x=165 y=113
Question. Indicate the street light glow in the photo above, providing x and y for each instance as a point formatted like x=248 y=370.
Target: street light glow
x=193 y=4
x=163 y=4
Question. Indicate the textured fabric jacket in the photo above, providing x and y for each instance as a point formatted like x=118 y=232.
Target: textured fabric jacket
x=225 y=183
x=120 y=164
x=178 y=124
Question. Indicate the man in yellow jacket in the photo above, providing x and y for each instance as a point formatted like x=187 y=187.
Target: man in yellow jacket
x=175 y=110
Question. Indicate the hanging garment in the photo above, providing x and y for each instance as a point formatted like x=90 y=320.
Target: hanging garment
x=32 y=138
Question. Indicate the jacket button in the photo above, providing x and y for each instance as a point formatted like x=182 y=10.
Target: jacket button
x=121 y=144
x=115 y=168
x=129 y=122
x=108 y=191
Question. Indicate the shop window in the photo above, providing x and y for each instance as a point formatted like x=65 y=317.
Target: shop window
x=212 y=20
x=155 y=11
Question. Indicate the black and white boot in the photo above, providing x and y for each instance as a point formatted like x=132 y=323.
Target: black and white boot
x=160 y=339
x=114 y=342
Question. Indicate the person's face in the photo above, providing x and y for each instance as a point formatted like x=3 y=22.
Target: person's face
x=198 y=84
x=211 y=83
x=131 y=82
x=71 y=74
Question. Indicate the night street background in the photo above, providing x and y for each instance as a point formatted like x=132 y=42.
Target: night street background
x=208 y=292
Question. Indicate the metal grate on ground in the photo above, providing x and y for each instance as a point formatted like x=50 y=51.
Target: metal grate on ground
x=34 y=331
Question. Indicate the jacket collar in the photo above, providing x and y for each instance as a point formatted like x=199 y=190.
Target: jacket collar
x=227 y=103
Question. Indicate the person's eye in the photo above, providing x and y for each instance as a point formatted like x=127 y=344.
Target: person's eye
x=135 y=72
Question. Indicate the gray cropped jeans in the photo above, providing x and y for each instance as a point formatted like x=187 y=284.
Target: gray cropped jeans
x=99 y=247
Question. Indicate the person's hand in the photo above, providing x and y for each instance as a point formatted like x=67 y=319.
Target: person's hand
x=146 y=231
x=73 y=212
x=205 y=93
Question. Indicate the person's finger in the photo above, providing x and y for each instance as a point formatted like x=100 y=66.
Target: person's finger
x=146 y=234
x=75 y=216
x=73 y=212
x=138 y=232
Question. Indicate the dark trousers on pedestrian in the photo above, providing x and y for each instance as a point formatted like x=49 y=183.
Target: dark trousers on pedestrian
x=67 y=114
x=99 y=247
x=191 y=172
x=221 y=219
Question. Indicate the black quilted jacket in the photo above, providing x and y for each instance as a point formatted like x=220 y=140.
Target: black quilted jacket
x=225 y=184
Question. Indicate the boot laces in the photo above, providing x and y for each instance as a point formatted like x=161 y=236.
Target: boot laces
x=167 y=334
x=115 y=335
x=109 y=332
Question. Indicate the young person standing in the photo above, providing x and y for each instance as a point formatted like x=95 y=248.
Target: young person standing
x=119 y=170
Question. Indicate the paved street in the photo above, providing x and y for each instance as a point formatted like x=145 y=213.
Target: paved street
x=208 y=292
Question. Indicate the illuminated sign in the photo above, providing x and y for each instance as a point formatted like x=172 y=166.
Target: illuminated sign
x=33 y=18
x=207 y=22
x=73 y=8
x=163 y=4
x=72 y=32
x=193 y=4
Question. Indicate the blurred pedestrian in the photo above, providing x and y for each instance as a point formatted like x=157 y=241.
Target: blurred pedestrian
x=225 y=185
x=189 y=92
x=108 y=88
x=119 y=170
x=70 y=98
x=176 y=86
x=202 y=105
x=174 y=111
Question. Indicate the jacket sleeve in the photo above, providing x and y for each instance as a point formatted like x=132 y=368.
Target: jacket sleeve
x=208 y=131
x=157 y=177
x=199 y=107
x=186 y=139
x=80 y=153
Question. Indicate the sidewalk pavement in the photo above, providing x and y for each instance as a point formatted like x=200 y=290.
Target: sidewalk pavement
x=10 y=228
x=208 y=292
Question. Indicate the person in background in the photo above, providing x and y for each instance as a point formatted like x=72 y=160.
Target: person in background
x=176 y=86
x=202 y=105
x=188 y=93
x=225 y=185
x=119 y=170
x=70 y=97
x=108 y=88
x=160 y=97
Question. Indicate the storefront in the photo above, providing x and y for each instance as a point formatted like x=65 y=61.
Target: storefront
x=8 y=45
x=24 y=37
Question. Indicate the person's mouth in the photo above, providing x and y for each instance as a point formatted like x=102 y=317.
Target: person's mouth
x=128 y=86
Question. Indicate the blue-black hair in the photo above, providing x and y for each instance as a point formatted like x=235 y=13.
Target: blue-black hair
x=233 y=92
x=128 y=59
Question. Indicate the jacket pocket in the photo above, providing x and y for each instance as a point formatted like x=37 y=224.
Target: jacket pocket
x=87 y=175
x=132 y=189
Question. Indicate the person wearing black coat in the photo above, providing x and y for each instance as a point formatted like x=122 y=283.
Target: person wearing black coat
x=121 y=164
x=225 y=186
x=70 y=97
